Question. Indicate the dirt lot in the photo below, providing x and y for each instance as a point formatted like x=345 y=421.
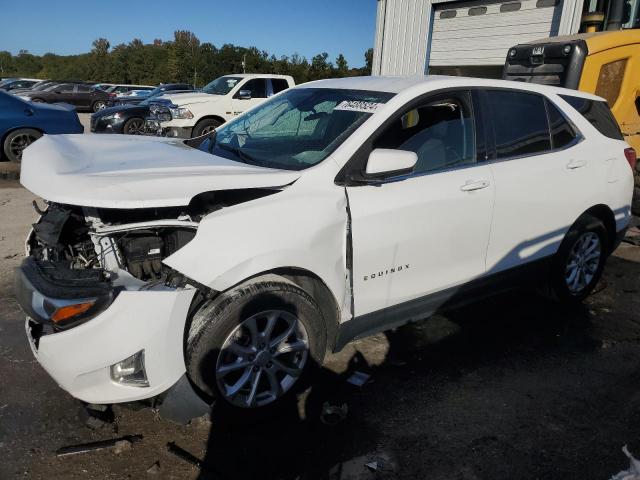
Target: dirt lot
x=513 y=388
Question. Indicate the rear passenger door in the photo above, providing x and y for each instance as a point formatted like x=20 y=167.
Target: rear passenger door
x=541 y=171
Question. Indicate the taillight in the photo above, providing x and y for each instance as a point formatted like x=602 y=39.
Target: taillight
x=632 y=158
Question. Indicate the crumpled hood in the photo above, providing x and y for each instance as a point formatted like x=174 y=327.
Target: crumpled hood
x=128 y=171
x=187 y=98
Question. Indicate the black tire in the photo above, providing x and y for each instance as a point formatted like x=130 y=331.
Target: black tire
x=133 y=126
x=560 y=278
x=217 y=319
x=98 y=105
x=17 y=141
x=204 y=126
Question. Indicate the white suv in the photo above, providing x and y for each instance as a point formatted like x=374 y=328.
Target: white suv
x=197 y=113
x=333 y=210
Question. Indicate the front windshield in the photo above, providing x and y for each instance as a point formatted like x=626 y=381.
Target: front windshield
x=221 y=86
x=297 y=129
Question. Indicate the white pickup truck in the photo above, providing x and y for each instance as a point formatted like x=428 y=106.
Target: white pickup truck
x=194 y=114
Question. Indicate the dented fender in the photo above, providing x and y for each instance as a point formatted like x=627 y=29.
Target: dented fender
x=305 y=226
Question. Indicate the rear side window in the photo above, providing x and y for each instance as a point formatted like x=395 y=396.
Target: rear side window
x=562 y=133
x=279 y=84
x=597 y=113
x=520 y=123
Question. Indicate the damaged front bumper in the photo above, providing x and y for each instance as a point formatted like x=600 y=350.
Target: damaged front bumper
x=81 y=357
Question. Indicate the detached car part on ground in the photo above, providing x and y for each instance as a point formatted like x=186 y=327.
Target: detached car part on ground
x=21 y=123
x=232 y=262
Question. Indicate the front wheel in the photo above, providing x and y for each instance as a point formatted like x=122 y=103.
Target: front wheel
x=578 y=265
x=17 y=141
x=134 y=126
x=255 y=345
x=205 y=126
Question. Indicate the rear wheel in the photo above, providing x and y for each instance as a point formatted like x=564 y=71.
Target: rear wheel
x=205 y=126
x=17 y=141
x=578 y=265
x=255 y=345
x=98 y=105
x=134 y=126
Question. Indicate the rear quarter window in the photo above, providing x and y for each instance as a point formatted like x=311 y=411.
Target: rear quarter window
x=597 y=113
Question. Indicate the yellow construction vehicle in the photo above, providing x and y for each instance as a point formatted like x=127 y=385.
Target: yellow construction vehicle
x=605 y=63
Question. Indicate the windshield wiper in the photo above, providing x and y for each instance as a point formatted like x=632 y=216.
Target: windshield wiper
x=239 y=153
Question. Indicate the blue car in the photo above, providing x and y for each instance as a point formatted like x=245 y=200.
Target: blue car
x=23 y=122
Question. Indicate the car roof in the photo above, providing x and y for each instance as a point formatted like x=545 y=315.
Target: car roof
x=397 y=84
x=261 y=75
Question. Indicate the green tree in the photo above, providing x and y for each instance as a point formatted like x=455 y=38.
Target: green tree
x=342 y=69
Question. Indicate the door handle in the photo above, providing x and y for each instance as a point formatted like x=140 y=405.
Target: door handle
x=573 y=164
x=472 y=185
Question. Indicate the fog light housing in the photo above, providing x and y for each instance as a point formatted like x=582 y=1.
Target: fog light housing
x=130 y=371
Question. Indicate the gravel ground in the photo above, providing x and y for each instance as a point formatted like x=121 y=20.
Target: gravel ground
x=511 y=388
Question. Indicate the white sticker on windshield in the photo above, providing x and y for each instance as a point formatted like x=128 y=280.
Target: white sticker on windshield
x=358 y=106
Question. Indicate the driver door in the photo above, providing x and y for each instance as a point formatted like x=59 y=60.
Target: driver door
x=257 y=87
x=418 y=237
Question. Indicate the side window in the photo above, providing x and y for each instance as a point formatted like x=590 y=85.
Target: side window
x=84 y=89
x=562 y=133
x=258 y=87
x=597 y=113
x=65 y=88
x=440 y=132
x=610 y=80
x=279 y=84
x=520 y=123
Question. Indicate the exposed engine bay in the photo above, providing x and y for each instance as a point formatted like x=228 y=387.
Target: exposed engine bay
x=124 y=244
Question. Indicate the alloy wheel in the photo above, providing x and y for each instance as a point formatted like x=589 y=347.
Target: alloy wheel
x=135 y=127
x=262 y=358
x=99 y=105
x=583 y=262
x=19 y=143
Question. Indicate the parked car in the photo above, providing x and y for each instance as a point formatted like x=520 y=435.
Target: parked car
x=129 y=119
x=331 y=211
x=82 y=96
x=42 y=86
x=195 y=114
x=21 y=123
x=156 y=92
x=16 y=83
x=103 y=86
x=121 y=89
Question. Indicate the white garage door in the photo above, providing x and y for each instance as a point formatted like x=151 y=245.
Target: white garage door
x=481 y=32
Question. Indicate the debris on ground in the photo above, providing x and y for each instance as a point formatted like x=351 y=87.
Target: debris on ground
x=358 y=378
x=118 y=444
x=373 y=465
x=332 y=414
x=121 y=446
x=154 y=469
x=203 y=421
x=633 y=473
x=98 y=416
x=632 y=236
x=184 y=455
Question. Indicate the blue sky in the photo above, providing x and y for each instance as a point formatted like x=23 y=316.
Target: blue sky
x=281 y=27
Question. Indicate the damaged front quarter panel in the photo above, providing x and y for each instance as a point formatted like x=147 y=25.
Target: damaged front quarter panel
x=304 y=227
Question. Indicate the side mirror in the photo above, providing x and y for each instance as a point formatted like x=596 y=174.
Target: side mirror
x=385 y=162
x=244 y=95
